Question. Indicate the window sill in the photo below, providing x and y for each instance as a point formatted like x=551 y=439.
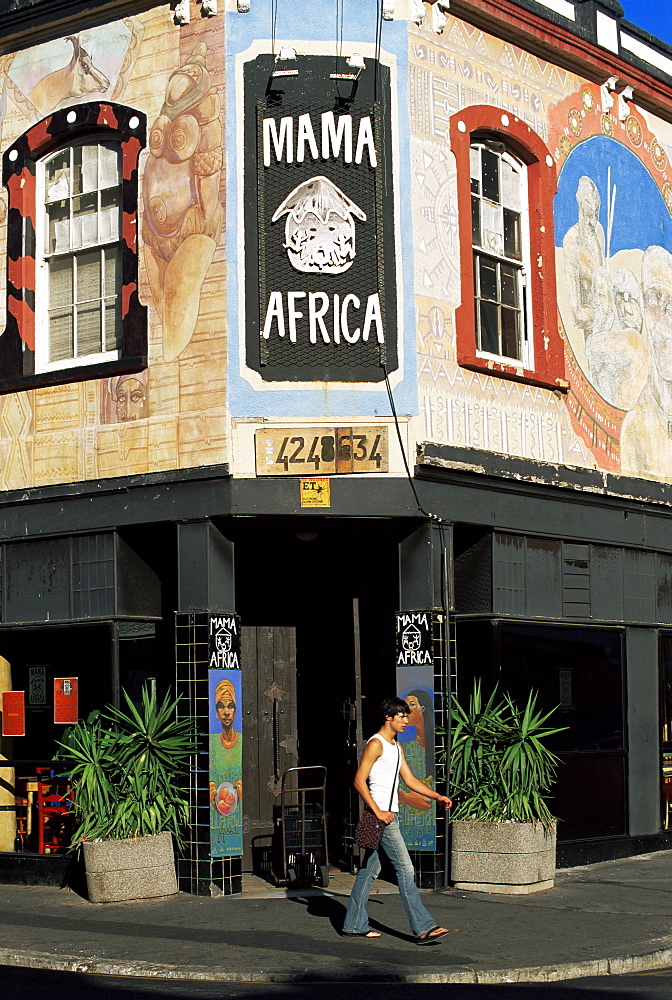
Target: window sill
x=512 y=371
x=79 y=373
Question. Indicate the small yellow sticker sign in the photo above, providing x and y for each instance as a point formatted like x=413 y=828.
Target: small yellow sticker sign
x=315 y=492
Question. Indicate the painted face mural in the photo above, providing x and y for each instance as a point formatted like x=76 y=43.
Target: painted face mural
x=614 y=269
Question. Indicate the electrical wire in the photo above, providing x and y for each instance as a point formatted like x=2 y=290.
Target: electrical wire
x=274 y=18
x=426 y=513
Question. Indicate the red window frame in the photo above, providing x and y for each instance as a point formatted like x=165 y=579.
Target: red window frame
x=523 y=142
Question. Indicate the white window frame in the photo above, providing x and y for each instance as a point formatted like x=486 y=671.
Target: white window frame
x=521 y=266
x=42 y=258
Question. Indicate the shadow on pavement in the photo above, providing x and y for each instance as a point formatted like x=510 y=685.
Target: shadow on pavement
x=26 y=984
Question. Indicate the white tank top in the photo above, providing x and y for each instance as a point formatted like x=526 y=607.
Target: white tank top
x=382 y=774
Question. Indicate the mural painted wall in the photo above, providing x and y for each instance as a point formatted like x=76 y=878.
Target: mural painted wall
x=171 y=415
x=613 y=234
x=461 y=67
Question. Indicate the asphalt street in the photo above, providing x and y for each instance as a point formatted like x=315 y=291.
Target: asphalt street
x=27 y=984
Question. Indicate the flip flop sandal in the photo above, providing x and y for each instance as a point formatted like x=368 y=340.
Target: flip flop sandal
x=430 y=938
x=364 y=934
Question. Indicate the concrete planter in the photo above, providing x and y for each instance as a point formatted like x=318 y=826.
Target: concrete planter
x=512 y=858
x=139 y=868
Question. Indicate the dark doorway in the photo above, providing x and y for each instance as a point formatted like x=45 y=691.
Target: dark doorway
x=306 y=575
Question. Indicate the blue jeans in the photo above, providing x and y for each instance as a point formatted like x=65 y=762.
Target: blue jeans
x=392 y=842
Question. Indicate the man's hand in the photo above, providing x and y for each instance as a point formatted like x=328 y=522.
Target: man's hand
x=447 y=803
x=384 y=817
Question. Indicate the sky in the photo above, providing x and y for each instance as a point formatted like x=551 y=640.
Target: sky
x=655 y=16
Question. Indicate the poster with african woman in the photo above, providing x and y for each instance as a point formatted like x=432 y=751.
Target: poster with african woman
x=226 y=763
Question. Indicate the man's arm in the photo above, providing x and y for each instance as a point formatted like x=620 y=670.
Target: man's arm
x=417 y=786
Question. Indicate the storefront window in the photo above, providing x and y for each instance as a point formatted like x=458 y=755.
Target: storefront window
x=581 y=671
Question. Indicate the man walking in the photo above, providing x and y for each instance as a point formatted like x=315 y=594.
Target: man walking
x=377 y=782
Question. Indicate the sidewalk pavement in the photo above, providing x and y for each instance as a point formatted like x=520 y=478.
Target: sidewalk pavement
x=613 y=917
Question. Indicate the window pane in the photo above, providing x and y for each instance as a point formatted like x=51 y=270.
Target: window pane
x=492 y=226
x=110 y=201
x=510 y=178
x=511 y=333
x=512 y=246
x=475 y=166
x=58 y=229
x=85 y=220
x=112 y=271
x=88 y=329
x=85 y=169
x=490 y=175
x=110 y=171
x=88 y=276
x=60 y=282
x=488 y=279
x=489 y=327
x=509 y=290
x=476 y=222
x=112 y=324
x=60 y=335
x=57 y=176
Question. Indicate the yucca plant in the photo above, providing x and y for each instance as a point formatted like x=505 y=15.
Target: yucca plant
x=124 y=769
x=500 y=767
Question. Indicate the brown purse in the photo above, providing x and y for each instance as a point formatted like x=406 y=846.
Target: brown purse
x=370 y=829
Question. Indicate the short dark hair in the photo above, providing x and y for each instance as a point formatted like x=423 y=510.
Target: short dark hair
x=393 y=706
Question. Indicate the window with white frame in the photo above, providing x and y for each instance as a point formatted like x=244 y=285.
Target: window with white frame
x=500 y=241
x=79 y=256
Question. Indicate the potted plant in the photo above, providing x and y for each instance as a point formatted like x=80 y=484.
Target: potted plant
x=125 y=768
x=503 y=832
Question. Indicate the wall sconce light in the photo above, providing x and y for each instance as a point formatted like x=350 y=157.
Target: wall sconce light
x=356 y=62
x=285 y=55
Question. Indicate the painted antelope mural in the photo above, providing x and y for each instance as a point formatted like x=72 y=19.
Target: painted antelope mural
x=77 y=78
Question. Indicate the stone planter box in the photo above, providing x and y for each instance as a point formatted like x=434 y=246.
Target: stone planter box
x=139 y=868
x=512 y=858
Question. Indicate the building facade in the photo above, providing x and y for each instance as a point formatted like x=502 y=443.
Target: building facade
x=337 y=357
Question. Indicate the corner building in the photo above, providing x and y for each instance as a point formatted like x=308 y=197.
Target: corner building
x=336 y=342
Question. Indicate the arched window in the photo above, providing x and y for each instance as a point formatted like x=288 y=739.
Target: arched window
x=500 y=231
x=79 y=256
x=507 y=319
x=72 y=305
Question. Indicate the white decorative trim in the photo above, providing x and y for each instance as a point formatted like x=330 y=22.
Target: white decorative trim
x=439 y=19
x=646 y=53
x=606 y=90
x=607 y=32
x=209 y=8
x=388 y=9
x=563 y=7
x=417 y=11
x=243 y=6
x=181 y=12
x=623 y=106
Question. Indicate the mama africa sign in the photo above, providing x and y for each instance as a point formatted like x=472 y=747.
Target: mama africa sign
x=319 y=223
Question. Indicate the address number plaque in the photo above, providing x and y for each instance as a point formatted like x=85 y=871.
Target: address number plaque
x=312 y=451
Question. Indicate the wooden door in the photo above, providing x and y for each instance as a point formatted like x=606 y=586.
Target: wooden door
x=268 y=657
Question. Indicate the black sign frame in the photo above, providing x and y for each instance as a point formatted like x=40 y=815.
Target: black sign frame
x=335 y=352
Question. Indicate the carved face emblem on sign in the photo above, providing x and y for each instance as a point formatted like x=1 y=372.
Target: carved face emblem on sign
x=320 y=227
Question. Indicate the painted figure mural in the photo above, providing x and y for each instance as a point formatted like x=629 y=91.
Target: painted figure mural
x=183 y=215
x=125 y=397
x=614 y=271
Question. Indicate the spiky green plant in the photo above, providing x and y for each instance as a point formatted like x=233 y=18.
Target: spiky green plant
x=124 y=769
x=500 y=767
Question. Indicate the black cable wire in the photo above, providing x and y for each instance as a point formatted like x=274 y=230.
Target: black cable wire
x=430 y=517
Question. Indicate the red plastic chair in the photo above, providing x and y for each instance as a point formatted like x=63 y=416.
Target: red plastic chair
x=53 y=796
